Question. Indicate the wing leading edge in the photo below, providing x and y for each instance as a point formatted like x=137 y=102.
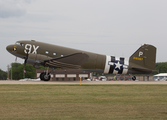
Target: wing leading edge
x=73 y=61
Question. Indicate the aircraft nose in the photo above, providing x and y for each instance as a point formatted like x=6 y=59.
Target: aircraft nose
x=9 y=48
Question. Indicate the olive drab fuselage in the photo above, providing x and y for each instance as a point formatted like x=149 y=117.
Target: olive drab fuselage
x=142 y=61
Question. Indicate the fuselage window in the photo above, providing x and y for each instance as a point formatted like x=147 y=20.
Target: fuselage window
x=47 y=52
x=54 y=53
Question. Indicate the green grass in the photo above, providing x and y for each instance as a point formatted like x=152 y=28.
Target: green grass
x=74 y=102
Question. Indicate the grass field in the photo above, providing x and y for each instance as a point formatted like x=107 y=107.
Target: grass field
x=74 y=102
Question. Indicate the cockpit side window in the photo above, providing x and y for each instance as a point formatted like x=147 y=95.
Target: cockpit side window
x=20 y=44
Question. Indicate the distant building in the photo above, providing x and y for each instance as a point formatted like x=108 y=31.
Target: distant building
x=74 y=75
x=139 y=77
x=65 y=75
x=160 y=77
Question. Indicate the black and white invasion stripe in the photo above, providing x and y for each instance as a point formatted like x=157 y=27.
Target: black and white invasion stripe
x=116 y=65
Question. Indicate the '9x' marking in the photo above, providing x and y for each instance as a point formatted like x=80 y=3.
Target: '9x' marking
x=28 y=49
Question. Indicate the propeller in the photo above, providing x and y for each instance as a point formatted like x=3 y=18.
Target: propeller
x=25 y=62
x=16 y=59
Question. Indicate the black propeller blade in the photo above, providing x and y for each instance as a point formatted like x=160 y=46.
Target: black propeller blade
x=16 y=59
x=25 y=62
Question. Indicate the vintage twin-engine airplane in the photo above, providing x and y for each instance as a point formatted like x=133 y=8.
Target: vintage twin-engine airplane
x=53 y=56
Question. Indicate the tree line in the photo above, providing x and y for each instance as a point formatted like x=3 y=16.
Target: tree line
x=3 y=75
x=161 y=67
x=18 y=73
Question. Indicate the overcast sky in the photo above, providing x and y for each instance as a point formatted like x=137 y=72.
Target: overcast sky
x=110 y=27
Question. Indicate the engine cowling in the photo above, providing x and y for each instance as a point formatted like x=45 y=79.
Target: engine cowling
x=37 y=59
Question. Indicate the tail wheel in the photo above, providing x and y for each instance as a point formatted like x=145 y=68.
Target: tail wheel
x=134 y=78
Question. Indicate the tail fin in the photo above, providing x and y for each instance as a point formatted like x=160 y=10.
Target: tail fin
x=143 y=60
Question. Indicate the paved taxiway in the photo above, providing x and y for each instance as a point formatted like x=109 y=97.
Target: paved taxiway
x=83 y=82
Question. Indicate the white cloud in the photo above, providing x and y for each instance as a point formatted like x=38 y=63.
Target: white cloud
x=13 y=8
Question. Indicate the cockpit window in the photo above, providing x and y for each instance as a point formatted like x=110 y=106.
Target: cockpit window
x=20 y=44
x=17 y=43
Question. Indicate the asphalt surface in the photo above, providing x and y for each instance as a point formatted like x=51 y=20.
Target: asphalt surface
x=82 y=82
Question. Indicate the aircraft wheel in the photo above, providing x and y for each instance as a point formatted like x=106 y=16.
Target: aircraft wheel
x=45 y=77
x=134 y=78
x=41 y=75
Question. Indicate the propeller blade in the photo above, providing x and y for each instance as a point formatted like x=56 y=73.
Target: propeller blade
x=16 y=59
x=25 y=62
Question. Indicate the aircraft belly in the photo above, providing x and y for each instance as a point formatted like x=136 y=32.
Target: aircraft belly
x=88 y=65
x=116 y=65
x=100 y=62
x=95 y=62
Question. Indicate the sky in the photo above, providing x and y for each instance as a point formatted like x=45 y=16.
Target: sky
x=109 y=27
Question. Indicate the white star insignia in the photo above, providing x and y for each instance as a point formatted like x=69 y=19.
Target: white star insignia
x=118 y=65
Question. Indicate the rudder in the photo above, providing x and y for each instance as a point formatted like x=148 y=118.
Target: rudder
x=143 y=60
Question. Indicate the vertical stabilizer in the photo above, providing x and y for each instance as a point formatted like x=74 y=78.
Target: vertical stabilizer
x=143 y=60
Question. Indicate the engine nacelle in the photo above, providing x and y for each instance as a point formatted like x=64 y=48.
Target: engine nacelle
x=37 y=59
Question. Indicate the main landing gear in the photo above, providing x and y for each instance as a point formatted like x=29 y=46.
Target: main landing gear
x=45 y=76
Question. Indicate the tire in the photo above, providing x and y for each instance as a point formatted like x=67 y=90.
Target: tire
x=41 y=75
x=45 y=77
x=134 y=78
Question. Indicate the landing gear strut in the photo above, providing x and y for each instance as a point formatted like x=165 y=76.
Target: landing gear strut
x=45 y=76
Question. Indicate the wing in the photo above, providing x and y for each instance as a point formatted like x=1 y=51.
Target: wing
x=73 y=61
